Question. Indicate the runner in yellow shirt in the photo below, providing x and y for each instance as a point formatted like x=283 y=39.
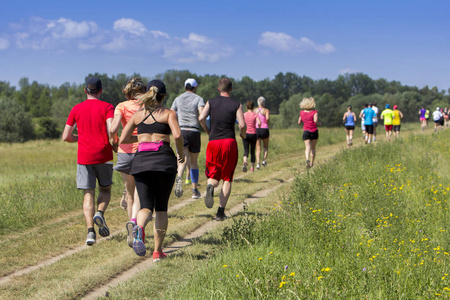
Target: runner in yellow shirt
x=388 y=115
x=398 y=116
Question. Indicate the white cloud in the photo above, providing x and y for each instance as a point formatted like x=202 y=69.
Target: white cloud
x=196 y=48
x=4 y=44
x=130 y=25
x=68 y=29
x=282 y=42
x=68 y=35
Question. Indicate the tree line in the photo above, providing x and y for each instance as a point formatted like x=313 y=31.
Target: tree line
x=39 y=111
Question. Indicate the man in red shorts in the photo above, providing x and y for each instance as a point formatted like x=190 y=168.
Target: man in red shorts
x=93 y=119
x=222 y=150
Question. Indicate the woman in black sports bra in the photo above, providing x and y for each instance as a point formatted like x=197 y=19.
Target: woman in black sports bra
x=155 y=165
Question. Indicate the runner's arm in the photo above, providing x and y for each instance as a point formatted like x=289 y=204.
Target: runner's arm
x=354 y=116
x=176 y=132
x=299 y=120
x=267 y=113
x=316 y=117
x=68 y=135
x=241 y=121
x=202 y=117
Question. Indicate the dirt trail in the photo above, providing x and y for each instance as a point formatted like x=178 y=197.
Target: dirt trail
x=52 y=260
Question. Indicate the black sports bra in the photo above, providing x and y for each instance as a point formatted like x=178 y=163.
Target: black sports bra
x=155 y=127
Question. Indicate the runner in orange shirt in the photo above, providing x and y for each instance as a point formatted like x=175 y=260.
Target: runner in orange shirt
x=125 y=152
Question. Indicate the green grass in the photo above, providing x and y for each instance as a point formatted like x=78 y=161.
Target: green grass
x=373 y=222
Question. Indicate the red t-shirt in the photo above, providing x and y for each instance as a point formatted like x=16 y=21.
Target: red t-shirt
x=93 y=141
x=308 y=120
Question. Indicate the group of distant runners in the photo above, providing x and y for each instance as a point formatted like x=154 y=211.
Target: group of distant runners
x=440 y=118
x=148 y=165
x=392 y=120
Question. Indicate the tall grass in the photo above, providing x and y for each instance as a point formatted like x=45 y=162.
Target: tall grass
x=373 y=222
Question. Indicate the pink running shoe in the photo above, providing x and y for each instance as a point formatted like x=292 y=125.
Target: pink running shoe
x=158 y=255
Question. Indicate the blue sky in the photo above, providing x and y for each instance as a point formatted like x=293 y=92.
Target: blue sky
x=62 y=41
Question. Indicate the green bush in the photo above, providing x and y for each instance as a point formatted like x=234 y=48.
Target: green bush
x=15 y=124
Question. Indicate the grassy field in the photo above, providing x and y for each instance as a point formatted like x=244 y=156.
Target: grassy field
x=329 y=234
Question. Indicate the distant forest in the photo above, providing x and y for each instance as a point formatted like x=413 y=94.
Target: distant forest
x=39 y=111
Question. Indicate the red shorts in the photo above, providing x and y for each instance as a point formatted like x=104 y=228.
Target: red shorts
x=221 y=159
x=388 y=127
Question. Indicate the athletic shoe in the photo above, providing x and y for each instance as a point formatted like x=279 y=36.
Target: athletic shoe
x=188 y=181
x=209 y=198
x=138 y=240
x=178 y=187
x=244 y=168
x=91 y=237
x=258 y=166
x=99 y=220
x=251 y=169
x=220 y=216
x=308 y=164
x=158 y=255
x=123 y=201
x=195 y=194
x=264 y=163
x=129 y=226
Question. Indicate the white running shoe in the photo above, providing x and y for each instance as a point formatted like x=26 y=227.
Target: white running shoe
x=178 y=187
x=258 y=166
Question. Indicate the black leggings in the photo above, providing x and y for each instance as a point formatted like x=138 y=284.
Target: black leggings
x=250 y=140
x=154 y=189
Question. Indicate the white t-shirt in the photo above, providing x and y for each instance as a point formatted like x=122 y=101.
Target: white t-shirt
x=437 y=115
x=375 y=109
x=362 y=116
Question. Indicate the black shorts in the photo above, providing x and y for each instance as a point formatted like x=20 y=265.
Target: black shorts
x=369 y=129
x=396 y=128
x=350 y=127
x=191 y=140
x=262 y=133
x=308 y=135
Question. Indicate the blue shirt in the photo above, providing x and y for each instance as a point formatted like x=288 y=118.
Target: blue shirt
x=369 y=113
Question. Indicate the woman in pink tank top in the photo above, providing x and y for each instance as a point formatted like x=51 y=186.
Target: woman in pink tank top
x=262 y=131
x=126 y=152
x=252 y=121
x=309 y=117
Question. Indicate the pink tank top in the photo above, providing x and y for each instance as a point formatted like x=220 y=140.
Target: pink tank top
x=263 y=119
x=250 y=120
x=308 y=120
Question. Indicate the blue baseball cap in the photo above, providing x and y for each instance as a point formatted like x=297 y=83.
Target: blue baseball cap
x=159 y=84
x=387 y=106
x=93 y=84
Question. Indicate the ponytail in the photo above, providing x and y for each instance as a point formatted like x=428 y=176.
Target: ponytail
x=150 y=99
x=133 y=88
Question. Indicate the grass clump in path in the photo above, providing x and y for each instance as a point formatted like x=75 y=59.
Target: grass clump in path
x=372 y=222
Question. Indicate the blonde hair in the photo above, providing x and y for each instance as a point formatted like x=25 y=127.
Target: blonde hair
x=308 y=103
x=133 y=88
x=261 y=101
x=151 y=99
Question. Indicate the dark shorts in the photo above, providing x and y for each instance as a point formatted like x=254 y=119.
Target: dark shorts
x=396 y=128
x=262 y=133
x=87 y=175
x=221 y=159
x=350 y=127
x=375 y=124
x=388 y=127
x=124 y=162
x=369 y=129
x=154 y=189
x=191 y=140
x=308 y=135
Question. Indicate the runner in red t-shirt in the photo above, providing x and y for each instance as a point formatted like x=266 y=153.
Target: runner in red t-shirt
x=221 y=152
x=92 y=119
